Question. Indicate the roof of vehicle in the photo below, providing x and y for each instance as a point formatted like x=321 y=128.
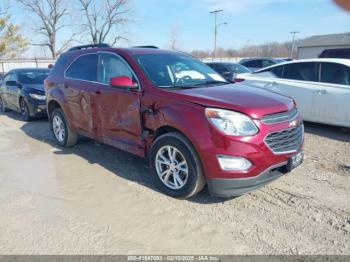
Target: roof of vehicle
x=131 y=51
x=260 y=58
x=29 y=69
x=329 y=60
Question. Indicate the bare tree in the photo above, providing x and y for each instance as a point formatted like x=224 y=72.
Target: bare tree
x=174 y=35
x=51 y=19
x=103 y=18
x=273 y=49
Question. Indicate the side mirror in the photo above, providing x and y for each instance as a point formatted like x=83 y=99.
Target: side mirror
x=123 y=82
x=50 y=66
x=12 y=83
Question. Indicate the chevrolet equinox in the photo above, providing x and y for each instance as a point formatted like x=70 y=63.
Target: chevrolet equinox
x=195 y=128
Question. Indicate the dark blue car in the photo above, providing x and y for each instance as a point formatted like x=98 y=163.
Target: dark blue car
x=22 y=90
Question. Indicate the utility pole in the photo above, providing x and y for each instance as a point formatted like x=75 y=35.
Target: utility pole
x=293 y=42
x=216 y=26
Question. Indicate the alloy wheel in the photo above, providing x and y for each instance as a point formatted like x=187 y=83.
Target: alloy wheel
x=24 y=109
x=58 y=128
x=172 y=167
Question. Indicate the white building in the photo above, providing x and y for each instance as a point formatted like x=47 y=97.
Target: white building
x=313 y=46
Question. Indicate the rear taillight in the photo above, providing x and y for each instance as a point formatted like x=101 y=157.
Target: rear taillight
x=237 y=80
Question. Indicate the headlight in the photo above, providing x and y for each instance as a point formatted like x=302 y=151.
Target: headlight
x=231 y=123
x=38 y=97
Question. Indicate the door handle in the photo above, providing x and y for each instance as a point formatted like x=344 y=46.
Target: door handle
x=271 y=84
x=322 y=92
x=98 y=92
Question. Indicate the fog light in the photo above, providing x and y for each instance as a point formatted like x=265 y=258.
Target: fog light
x=232 y=163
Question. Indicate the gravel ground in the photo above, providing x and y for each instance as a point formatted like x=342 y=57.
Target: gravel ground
x=94 y=199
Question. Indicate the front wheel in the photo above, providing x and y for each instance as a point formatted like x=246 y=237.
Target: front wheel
x=176 y=166
x=25 y=111
x=63 y=135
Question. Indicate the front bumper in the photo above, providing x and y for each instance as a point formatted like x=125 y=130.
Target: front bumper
x=221 y=187
x=267 y=164
x=36 y=108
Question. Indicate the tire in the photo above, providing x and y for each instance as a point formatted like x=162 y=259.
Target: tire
x=24 y=110
x=3 y=109
x=193 y=180
x=68 y=138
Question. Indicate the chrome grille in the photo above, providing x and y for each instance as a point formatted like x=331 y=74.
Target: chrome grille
x=280 y=117
x=285 y=141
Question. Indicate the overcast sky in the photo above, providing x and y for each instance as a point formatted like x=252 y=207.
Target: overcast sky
x=249 y=21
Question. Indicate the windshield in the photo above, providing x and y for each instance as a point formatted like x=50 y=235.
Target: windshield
x=177 y=71
x=33 y=77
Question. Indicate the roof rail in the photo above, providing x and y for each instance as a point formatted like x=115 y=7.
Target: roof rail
x=82 y=47
x=146 y=46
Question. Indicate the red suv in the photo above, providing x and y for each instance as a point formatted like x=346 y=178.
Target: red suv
x=194 y=127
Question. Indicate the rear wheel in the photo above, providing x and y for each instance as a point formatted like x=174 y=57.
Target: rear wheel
x=63 y=135
x=176 y=166
x=24 y=110
x=2 y=106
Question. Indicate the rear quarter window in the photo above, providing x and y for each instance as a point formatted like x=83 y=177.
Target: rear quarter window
x=60 y=64
x=83 y=68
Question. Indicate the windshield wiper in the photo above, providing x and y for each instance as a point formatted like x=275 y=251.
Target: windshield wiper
x=178 y=87
x=212 y=82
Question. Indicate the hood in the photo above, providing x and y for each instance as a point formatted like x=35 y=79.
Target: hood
x=35 y=87
x=252 y=101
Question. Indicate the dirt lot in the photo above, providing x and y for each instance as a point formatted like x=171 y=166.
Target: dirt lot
x=94 y=199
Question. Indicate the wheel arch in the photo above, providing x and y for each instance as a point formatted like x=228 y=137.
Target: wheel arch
x=181 y=137
x=52 y=105
x=162 y=130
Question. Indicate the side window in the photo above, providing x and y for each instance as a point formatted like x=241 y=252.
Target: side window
x=275 y=72
x=301 y=71
x=7 y=78
x=266 y=63
x=219 y=68
x=84 y=68
x=335 y=74
x=253 y=63
x=111 y=66
x=10 y=77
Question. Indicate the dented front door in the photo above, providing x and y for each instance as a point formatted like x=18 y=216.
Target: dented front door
x=117 y=118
